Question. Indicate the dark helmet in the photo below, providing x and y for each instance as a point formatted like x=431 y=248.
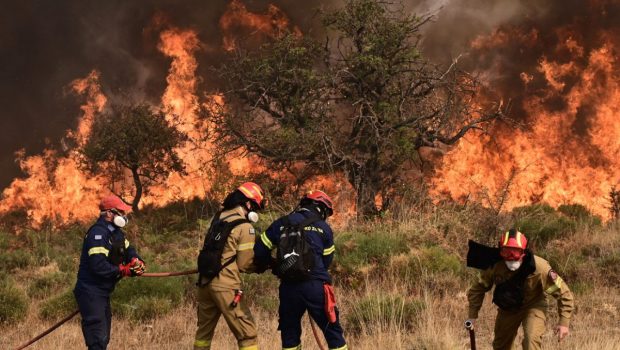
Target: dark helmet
x=320 y=198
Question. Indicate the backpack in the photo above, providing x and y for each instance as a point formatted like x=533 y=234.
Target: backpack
x=295 y=258
x=210 y=256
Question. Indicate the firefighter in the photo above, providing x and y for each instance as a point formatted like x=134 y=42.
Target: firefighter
x=522 y=281
x=310 y=291
x=216 y=294
x=106 y=257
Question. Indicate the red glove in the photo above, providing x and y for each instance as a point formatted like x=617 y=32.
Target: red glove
x=124 y=270
x=137 y=267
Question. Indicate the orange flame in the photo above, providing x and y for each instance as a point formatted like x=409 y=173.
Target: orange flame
x=552 y=161
x=54 y=188
x=237 y=17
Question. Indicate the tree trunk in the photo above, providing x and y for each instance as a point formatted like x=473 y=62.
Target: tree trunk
x=138 y=183
x=366 y=188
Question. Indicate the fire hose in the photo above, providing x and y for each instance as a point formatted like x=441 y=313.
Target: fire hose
x=469 y=325
x=146 y=274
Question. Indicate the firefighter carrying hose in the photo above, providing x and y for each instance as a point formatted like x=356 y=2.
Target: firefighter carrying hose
x=106 y=257
x=305 y=249
x=522 y=280
x=228 y=251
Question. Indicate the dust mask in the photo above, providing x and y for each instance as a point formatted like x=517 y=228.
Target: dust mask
x=253 y=216
x=120 y=221
x=513 y=265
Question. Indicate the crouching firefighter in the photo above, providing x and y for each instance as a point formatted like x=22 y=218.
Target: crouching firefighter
x=305 y=249
x=106 y=257
x=522 y=280
x=227 y=251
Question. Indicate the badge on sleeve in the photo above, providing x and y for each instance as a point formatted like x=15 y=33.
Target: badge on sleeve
x=252 y=231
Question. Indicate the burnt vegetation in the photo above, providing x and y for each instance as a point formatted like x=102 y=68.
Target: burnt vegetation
x=361 y=103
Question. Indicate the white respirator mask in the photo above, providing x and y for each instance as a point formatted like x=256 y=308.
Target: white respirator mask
x=120 y=221
x=513 y=265
x=253 y=216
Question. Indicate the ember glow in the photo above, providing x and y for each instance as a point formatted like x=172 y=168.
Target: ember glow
x=237 y=19
x=569 y=101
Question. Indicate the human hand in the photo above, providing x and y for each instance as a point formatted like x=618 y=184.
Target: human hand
x=137 y=267
x=561 y=331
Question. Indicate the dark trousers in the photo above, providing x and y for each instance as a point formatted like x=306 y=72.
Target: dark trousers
x=295 y=299
x=96 y=319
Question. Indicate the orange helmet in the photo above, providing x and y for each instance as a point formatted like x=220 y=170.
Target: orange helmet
x=515 y=240
x=320 y=197
x=254 y=193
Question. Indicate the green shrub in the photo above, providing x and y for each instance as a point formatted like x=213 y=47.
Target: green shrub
x=58 y=306
x=436 y=260
x=541 y=223
x=358 y=249
x=48 y=283
x=13 y=302
x=610 y=268
x=133 y=297
x=579 y=213
x=261 y=290
x=376 y=313
x=16 y=259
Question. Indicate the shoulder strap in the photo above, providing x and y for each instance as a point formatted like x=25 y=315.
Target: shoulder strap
x=232 y=224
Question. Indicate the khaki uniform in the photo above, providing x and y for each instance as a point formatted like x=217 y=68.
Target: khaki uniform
x=214 y=298
x=544 y=281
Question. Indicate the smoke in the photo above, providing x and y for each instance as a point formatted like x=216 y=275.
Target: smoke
x=44 y=45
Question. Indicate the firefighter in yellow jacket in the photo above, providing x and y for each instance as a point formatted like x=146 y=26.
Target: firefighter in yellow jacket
x=522 y=281
x=227 y=252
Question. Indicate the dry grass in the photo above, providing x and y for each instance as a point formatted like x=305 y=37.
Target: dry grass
x=581 y=256
x=595 y=326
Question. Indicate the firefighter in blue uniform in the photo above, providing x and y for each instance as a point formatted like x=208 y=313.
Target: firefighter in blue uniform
x=106 y=257
x=310 y=294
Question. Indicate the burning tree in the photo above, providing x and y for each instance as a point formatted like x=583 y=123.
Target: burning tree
x=363 y=104
x=137 y=139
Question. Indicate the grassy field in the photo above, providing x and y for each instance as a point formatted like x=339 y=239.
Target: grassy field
x=400 y=280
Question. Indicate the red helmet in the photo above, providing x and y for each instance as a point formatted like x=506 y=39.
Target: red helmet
x=113 y=202
x=321 y=197
x=515 y=240
x=254 y=193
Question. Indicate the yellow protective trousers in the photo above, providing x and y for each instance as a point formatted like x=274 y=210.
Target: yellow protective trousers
x=507 y=324
x=215 y=303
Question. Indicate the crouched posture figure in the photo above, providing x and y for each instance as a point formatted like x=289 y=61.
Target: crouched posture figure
x=220 y=282
x=305 y=249
x=522 y=280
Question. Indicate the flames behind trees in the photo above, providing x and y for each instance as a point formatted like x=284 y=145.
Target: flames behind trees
x=560 y=71
x=564 y=76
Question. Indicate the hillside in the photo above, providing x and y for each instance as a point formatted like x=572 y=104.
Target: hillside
x=400 y=281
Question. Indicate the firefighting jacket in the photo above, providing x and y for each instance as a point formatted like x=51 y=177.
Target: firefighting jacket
x=544 y=281
x=104 y=248
x=318 y=234
x=239 y=247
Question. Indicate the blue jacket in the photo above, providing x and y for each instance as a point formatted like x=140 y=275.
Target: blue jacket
x=97 y=273
x=318 y=234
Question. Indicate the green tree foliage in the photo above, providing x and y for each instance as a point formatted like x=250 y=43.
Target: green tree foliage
x=136 y=139
x=362 y=103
